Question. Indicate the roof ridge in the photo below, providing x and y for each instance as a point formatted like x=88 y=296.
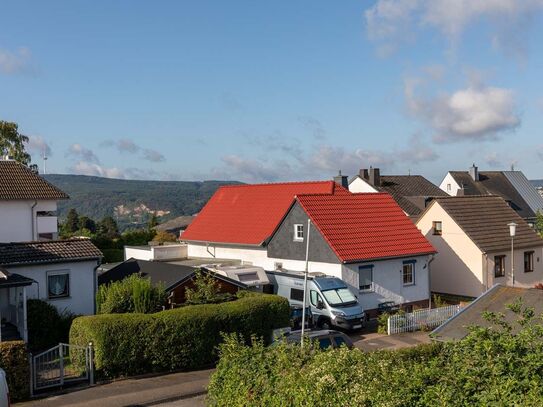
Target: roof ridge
x=275 y=184
x=46 y=242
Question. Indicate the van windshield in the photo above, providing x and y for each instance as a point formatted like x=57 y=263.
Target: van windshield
x=339 y=296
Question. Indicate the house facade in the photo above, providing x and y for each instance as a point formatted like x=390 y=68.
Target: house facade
x=364 y=239
x=28 y=204
x=471 y=235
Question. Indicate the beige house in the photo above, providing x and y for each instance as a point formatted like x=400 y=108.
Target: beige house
x=471 y=235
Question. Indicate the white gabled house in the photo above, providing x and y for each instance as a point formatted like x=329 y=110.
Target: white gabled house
x=364 y=239
x=32 y=263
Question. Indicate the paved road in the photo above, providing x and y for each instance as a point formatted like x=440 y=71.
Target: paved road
x=188 y=388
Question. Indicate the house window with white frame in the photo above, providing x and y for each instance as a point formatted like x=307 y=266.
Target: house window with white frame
x=408 y=273
x=298 y=232
x=528 y=261
x=58 y=284
x=448 y=187
x=365 y=278
x=437 y=228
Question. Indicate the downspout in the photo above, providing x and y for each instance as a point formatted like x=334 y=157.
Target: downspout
x=34 y=226
x=432 y=258
x=99 y=263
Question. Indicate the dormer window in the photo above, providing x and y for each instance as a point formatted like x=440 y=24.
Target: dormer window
x=298 y=232
x=437 y=228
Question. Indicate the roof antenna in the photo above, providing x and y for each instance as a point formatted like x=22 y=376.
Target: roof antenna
x=44 y=160
x=512 y=166
x=409 y=171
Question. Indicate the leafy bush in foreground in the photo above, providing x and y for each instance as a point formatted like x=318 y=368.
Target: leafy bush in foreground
x=182 y=338
x=14 y=360
x=499 y=366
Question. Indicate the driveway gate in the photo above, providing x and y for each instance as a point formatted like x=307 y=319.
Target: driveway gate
x=62 y=365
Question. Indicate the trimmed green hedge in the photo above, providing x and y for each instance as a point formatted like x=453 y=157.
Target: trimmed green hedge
x=14 y=360
x=183 y=338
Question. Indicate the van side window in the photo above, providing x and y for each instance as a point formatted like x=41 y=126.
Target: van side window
x=296 y=295
x=314 y=298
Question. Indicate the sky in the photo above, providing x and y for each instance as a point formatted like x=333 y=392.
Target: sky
x=275 y=91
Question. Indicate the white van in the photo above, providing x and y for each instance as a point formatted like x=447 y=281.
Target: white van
x=4 y=391
x=331 y=301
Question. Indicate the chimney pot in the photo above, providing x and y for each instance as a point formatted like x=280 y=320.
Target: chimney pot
x=375 y=177
x=342 y=180
x=474 y=172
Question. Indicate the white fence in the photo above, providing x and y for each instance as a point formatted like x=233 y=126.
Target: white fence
x=421 y=319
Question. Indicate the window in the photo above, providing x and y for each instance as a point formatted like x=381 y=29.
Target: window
x=248 y=277
x=315 y=298
x=528 y=262
x=339 y=341
x=46 y=213
x=325 y=343
x=298 y=232
x=499 y=266
x=58 y=284
x=437 y=227
x=365 y=278
x=448 y=187
x=408 y=272
x=296 y=295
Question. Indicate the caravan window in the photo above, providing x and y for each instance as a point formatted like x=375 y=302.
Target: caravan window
x=296 y=295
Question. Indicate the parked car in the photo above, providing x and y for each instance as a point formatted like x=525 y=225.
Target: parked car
x=4 y=391
x=331 y=301
x=325 y=338
x=296 y=317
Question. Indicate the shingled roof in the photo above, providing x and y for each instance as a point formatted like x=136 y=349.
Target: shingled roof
x=484 y=219
x=493 y=183
x=365 y=226
x=54 y=251
x=18 y=182
x=410 y=191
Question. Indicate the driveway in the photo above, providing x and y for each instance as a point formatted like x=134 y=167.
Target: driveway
x=374 y=341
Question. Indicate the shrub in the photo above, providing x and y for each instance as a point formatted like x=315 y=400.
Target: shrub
x=182 y=338
x=46 y=326
x=131 y=294
x=14 y=360
x=206 y=290
x=500 y=365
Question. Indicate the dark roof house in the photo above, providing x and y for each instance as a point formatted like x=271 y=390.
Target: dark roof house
x=20 y=183
x=496 y=300
x=411 y=192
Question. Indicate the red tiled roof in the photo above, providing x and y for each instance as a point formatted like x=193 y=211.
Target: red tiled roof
x=249 y=214
x=365 y=226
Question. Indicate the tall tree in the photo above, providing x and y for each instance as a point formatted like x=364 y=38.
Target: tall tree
x=539 y=223
x=72 y=221
x=108 y=228
x=87 y=223
x=12 y=142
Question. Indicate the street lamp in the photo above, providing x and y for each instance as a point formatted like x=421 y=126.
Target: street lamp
x=512 y=232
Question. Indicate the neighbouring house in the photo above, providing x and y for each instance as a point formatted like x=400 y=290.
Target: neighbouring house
x=174 y=278
x=32 y=263
x=175 y=226
x=495 y=300
x=472 y=237
x=364 y=239
x=412 y=192
x=28 y=204
x=519 y=193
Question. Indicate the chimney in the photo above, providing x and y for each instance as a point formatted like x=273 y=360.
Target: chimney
x=474 y=172
x=341 y=180
x=375 y=177
x=364 y=174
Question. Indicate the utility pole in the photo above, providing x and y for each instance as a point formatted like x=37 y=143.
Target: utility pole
x=305 y=282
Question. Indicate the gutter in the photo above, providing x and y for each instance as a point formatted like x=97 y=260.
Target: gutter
x=34 y=226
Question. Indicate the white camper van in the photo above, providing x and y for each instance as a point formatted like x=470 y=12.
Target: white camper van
x=331 y=301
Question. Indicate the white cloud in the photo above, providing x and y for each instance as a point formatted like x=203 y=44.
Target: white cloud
x=152 y=155
x=251 y=170
x=314 y=126
x=94 y=169
x=14 y=62
x=126 y=145
x=473 y=113
x=37 y=145
x=77 y=150
x=392 y=21
x=493 y=160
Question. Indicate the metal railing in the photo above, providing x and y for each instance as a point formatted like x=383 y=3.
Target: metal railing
x=423 y=319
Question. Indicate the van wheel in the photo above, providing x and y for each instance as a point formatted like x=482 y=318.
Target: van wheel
x=324 y=323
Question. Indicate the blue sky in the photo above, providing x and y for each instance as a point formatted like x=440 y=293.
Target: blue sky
x=271 y=91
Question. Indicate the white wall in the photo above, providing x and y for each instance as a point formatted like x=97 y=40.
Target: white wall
x=359 y=185
x=257 y=256
x=388 y=282
x=82 y=285
x=449 y=181
x=458 y=265
x=522 y=279
x=17 y=218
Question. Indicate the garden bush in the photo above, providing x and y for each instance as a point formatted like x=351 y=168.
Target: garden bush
x=14 y=360
x=46 y=326
x=178 y=339
x=501 y=365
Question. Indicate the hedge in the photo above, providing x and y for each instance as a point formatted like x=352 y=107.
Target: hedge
x=501 y=365
x=14 y=360
x=46 y=326
x=178 y=339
